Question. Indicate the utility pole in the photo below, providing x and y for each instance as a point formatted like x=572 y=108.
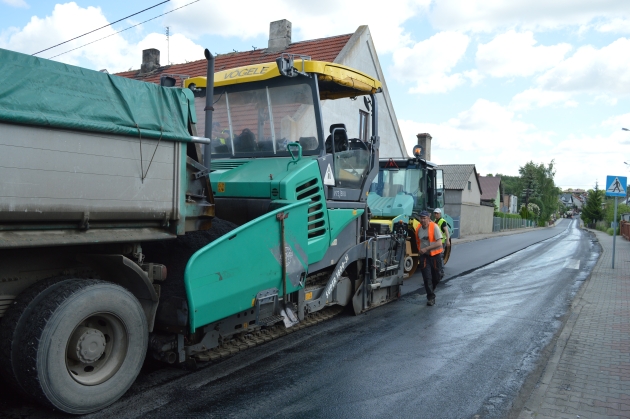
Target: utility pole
x=168 y=45
x=615 y=187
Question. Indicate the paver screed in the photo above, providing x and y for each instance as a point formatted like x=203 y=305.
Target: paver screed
x=588 y=373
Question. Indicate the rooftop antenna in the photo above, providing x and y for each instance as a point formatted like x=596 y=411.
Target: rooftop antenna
x=168 y=45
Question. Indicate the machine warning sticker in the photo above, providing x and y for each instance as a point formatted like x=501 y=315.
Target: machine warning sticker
x=221 y=187
x=329 y=179
x=308 y=296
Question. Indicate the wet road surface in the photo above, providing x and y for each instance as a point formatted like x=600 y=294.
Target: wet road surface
x=471 y=255
x=467 y=257
x=469 y=354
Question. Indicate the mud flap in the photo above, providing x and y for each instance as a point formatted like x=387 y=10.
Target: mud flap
x=357 y=300
x=343 y=292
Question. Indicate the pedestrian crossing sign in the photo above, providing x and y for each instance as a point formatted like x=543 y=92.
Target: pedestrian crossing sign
x=616 y=186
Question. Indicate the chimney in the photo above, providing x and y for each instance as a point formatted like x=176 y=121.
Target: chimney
x=279 y=35
x=150 y=60
x=424 y=141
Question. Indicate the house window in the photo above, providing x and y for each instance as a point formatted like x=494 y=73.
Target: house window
x=363 y=125
x=469 y=186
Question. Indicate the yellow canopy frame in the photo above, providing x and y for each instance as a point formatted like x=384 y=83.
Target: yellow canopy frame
x=335 y=80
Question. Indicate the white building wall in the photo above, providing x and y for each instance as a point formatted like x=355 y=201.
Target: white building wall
x=513 y=209
x=472 y=196
x=453 y=202
x=466 y=204
x=359 y=53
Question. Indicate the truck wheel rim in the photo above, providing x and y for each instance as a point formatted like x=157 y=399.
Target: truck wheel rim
x=96 y=349
x=408 y=263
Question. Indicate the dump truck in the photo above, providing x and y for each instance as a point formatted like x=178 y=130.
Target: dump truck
x=104 y=183
x=402 y=188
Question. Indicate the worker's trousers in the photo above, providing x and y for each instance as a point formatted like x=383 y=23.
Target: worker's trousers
x=441 y=261
x=430 y=268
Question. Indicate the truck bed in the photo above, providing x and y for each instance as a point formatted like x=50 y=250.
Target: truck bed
x=59 y=179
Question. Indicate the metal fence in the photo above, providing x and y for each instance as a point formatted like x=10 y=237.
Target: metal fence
x=500 y=223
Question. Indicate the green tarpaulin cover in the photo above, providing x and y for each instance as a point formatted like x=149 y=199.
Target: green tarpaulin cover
x=36 y=91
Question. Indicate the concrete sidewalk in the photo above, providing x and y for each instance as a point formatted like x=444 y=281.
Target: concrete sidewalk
x=588 y=372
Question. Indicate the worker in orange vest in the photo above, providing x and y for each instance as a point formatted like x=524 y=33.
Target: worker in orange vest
x=429 y=239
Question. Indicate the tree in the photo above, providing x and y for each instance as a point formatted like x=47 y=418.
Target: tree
x=592 y=211
x=609 y=212
x=530 y=212
x=534 y=209
x=529 y=181
x=523 y=212
x=540 y=207
x=537 y=186
x=548 y=190
x=510 y=184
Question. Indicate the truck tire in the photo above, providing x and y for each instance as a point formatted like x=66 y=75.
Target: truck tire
x=13 y=323
x=84 y=347
x=447 y=252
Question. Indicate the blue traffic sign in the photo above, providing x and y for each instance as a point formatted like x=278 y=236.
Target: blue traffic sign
x=616 y=185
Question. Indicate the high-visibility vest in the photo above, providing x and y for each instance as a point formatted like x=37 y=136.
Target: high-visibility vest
x=431 y=228
x=439 y=223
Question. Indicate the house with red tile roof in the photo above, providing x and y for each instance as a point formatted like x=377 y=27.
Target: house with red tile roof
x=354 y=50
x=491 y=190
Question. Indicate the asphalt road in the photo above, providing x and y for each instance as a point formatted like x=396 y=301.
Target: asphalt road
x=468 y=355
x=467 y=257
x=471 y=255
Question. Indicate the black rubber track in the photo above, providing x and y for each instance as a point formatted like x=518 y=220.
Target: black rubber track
x=13 y=323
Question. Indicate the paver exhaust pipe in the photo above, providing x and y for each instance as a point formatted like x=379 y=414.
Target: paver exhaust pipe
x=209 y=108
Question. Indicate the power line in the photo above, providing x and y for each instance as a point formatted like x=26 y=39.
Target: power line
x=130 y=27
x=98 y=29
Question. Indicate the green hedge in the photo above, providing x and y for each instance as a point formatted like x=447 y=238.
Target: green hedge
x=504 y=215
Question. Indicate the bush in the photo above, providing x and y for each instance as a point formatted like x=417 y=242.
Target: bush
x=610 y=210
x=609 y=230
x=504 y=215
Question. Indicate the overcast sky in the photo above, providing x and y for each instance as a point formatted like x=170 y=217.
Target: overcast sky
x=496 y=83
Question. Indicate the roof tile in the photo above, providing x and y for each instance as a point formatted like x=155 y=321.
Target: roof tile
x=323 y=49
x=456 y=175
x=489 y=186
